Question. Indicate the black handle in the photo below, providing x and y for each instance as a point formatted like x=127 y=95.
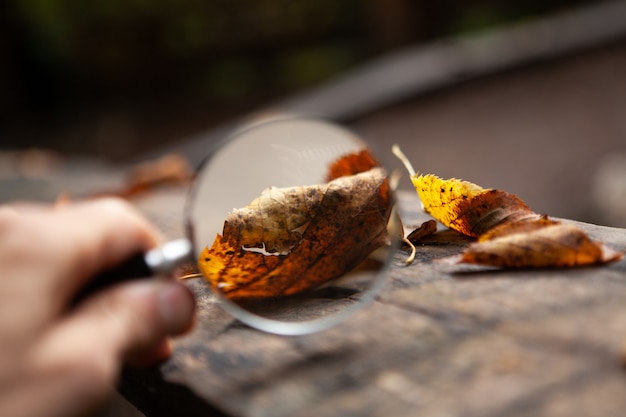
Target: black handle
x=135 y=267
x=162 y=260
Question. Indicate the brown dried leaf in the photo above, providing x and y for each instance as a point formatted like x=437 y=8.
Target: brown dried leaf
x=427 y=228
x=144 y=177
x=169 y=169
x=553 y=245
x=524 y=225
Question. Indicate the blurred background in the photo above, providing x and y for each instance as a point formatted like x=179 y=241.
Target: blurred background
x=526 y=96
x=115 y=78
x=538 y=113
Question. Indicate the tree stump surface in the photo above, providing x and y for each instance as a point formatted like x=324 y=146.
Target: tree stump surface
x=439 y=340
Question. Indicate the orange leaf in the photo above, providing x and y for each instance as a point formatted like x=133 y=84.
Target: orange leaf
x=351 y=164
x=554 y=245
x=524 y=225
x=293 y=239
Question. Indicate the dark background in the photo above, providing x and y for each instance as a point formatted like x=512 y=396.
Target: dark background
x=116 y=78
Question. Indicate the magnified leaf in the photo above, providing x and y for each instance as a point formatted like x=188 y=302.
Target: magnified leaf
x=510 y=234
x=292 y=239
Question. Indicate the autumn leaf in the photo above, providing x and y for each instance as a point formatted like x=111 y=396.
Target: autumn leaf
x=510 y=234
x=170 y=169
x=289 y=240
x=525 y=225
x=427 y=228
x=466 y=207
x=351 y=164
x=553 y=245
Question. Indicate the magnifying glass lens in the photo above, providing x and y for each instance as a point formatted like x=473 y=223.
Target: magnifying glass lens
x=288 y=222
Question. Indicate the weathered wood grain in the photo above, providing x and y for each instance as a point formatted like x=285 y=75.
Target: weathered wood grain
x=439 y=340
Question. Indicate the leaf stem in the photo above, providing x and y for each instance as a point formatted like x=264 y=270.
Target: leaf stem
x=395 y=149
x=189 y=276
x=409 y=260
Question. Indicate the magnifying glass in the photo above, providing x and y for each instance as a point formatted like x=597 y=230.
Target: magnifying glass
x=288 y=223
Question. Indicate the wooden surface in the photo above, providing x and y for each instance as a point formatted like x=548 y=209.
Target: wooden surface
x=439 y=340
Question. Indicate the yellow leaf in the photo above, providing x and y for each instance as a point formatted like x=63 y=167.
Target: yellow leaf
x=464 y=206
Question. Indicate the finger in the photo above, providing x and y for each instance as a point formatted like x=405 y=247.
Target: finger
x=85 y=238
x=130 y=320
x=53 y=392
x=158 y=353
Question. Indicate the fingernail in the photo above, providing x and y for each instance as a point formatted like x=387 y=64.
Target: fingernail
x=176 y=307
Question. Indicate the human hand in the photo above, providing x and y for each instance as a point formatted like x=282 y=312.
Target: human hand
x=61 y=360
